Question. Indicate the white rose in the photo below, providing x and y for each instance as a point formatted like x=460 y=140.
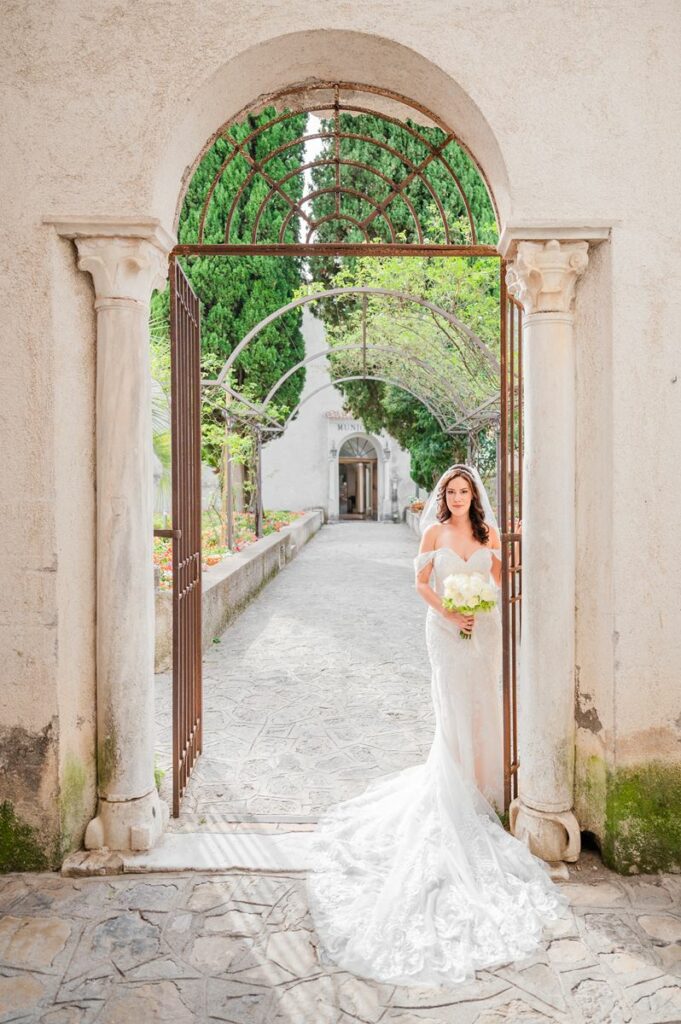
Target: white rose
x=476 y=584
x=488 y=593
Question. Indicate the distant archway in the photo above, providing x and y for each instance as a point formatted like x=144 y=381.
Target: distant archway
x=358 y=478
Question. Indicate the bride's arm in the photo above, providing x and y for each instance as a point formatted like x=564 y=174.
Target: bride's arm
x=423 y=586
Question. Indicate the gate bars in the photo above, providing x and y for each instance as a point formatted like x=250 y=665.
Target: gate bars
x=510 y=514
x=185 y=352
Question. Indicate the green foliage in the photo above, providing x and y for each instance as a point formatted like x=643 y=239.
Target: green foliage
x=436 y=181
x=159 y=773
x=468 y=288
x=456 y=375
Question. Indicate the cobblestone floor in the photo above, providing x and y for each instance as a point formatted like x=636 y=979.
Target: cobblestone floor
x=319 y=686
x=240 y=948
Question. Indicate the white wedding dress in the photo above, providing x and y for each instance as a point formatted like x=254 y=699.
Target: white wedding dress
x=416 y=881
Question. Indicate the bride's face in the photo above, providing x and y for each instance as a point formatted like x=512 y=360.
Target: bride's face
x=458 y=496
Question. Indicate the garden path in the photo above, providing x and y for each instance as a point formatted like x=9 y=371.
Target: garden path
x=319 y=686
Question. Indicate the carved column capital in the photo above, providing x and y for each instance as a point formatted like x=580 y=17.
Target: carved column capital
x=122 y=269
x=543 y=275
x=126 y=256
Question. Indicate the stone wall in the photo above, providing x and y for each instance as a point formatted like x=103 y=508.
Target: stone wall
x=230 y=585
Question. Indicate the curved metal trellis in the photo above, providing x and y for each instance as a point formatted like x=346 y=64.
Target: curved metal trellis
x=429 y=169
x=425 y=368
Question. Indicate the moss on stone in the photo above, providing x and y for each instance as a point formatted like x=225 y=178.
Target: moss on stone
x=643 y=818
x=591 y=792
x=72 y=809
x=106 y=760
x=22 y=848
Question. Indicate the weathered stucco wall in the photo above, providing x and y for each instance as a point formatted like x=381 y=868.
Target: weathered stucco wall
x=105 y=109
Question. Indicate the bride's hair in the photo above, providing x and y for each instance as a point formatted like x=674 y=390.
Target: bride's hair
x=477 y=516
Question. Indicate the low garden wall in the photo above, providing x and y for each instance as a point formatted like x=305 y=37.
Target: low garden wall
x=233 y=582
x=412 y=521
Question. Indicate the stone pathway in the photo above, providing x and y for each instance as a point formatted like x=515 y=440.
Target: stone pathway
x=319 y=686
x=240 y=948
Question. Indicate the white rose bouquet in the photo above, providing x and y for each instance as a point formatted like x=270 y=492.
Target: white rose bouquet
x=468 y=593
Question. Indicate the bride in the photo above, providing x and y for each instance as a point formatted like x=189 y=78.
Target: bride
x=416 y=881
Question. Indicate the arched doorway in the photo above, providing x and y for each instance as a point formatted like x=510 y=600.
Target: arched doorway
x=413 y=191
x=533 y=269
x=358 y=479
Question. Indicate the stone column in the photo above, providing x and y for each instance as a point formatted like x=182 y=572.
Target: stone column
x=387 y=499
x=334 y=493
x=127 y=260
x=359 y=486
x=543 y=278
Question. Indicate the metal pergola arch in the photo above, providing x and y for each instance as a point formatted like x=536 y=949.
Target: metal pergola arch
x=456 y=419
x=366 y=351
x=329 y=293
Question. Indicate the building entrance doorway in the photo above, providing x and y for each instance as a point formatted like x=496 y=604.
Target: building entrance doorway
x=358 y=480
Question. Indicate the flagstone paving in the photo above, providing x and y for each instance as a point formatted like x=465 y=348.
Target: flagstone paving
x=240 y=948
x=319 y=686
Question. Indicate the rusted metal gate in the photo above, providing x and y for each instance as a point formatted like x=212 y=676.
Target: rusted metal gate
x=185 y=400
x=510 y=516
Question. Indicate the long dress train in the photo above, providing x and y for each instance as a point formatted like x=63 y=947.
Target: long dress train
x=415 y=881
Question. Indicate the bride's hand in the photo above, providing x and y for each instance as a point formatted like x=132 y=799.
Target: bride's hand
x=464 y=622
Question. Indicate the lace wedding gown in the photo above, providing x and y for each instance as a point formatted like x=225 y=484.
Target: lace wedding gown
x=415 y=881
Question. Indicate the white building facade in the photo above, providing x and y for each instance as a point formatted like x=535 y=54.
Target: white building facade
x=326 y=459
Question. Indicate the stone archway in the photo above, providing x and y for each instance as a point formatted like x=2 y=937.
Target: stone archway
x=125 y=257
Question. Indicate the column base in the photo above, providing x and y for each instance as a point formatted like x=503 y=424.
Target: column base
x=128 y=824
x=551 y=835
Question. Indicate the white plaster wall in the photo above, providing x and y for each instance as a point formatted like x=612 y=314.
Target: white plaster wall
x=296 y=466
x=569 y=106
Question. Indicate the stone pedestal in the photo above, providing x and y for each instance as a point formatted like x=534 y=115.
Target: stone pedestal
x=543 y=277
x=126 y=261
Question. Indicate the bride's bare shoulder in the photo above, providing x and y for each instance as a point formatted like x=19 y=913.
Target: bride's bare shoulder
x=429 y=538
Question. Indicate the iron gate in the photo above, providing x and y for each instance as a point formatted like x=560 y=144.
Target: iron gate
x=185 y=400
x=510 y=516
